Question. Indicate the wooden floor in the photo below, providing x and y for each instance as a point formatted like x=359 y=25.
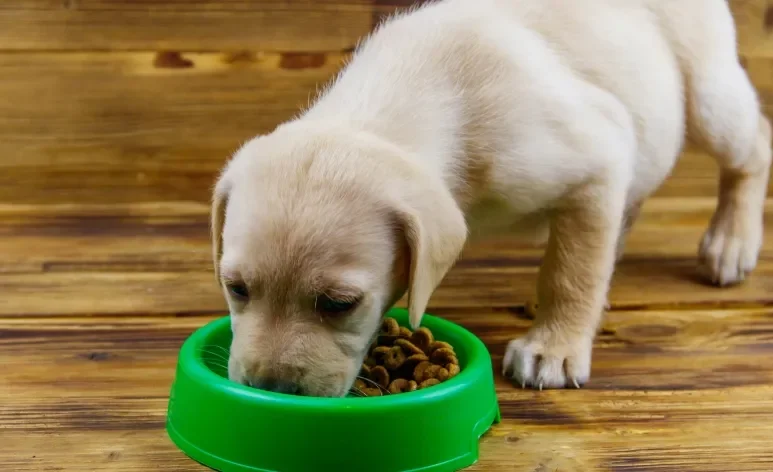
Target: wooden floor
x=115 y=116
x=97 y=300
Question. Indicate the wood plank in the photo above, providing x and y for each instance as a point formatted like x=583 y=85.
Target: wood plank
x=671 y=390
x=209 y=25
x=201 y=25
x=144 y=126
x=148 y=258
x=123 y=127
x=754 y=22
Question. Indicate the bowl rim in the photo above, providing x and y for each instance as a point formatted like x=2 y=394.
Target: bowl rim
x=191 y=362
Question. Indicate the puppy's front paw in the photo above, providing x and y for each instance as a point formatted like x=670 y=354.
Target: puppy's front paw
x=541 y=359
x=730 y=247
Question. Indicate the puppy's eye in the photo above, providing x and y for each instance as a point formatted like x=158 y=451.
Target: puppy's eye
x=238 y=290
x=332 y=306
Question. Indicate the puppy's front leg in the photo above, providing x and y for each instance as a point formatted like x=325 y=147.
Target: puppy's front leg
x=572 y=290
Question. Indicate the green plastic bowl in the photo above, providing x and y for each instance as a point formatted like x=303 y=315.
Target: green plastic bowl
x=234 y=428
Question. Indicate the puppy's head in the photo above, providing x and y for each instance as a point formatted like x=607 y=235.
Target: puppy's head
x=316 y=233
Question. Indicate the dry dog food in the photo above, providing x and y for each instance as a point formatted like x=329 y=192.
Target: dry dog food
x=401 y=360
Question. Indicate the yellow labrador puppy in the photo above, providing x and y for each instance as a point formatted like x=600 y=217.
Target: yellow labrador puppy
x=481 y=115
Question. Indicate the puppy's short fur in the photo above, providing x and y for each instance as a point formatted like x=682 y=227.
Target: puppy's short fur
x=543 y=116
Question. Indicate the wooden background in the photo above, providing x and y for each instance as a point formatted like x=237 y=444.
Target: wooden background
x=115 y=116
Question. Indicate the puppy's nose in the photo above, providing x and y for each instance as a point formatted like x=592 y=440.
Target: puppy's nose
x=276 y=385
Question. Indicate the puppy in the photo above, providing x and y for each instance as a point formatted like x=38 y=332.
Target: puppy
x=543 y=116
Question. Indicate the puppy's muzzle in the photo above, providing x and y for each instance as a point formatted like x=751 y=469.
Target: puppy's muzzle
x=275 y=385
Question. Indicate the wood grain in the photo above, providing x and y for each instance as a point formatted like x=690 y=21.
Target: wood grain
x=115 y=116
x=127 y=127
x=158 y=122
x=200 y=25
x=672 y=390
x=128 y=259
x=216 y=25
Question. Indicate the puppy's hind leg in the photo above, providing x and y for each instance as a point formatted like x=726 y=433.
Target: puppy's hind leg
x=731 y=245
x=725 y=117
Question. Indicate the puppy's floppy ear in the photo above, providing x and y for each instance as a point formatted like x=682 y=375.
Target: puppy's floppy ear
x=219 y=203
x=435 y=232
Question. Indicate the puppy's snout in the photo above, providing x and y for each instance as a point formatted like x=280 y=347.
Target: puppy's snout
x=276 y=385
x=290 y=358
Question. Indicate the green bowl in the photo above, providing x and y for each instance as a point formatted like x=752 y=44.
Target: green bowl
x=234 y=428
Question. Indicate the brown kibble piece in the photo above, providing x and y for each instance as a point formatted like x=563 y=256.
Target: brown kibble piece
x=394 y=358
x=380 y=375
x=415 y=360
x=389 y=327
x=444 y=356
x=442 y=374
x=380 y=353
x=406 y=370
x=408 y=347
x=402 y=385
x=370 y=362
x=365 y=370
x=360 y=384
x=422 y=338
x=453 y=369
x=418 y=372
x=388 y=339
x=439 y=345
x=372 y=392
x=433 y=372
x=428 y=383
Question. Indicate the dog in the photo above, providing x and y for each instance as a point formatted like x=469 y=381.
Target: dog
x=549 y=118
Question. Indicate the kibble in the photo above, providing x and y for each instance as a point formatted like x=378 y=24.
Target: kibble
x=404 y=361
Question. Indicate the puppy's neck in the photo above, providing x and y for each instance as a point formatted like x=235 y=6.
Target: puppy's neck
x=427 y=121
